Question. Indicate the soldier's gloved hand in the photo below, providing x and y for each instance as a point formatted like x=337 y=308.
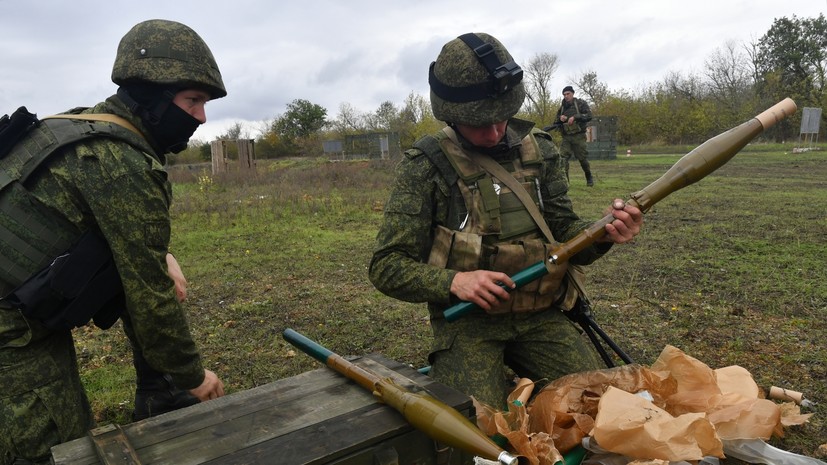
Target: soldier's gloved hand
x=211 y=388
x=481 y=287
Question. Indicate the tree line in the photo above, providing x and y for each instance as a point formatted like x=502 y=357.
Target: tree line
x=738 y=81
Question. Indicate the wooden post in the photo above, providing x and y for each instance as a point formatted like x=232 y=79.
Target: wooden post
x=218 y=152
x=246 y=156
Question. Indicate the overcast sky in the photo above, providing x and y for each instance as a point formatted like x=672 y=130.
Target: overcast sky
x=58 y=54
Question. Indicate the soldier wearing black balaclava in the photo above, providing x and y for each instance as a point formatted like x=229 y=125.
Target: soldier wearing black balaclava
x=85 y=236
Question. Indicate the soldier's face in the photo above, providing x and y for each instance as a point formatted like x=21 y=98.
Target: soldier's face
x=483 y=136
x=568 y=96
x=193 y=102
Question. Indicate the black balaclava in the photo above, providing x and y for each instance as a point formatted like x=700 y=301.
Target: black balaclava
x=170 y=126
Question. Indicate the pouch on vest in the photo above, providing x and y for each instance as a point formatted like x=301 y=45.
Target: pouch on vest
x=455 y=250
x=80 y=285
x=572 y=128
x=13 y=128
x=537 y=295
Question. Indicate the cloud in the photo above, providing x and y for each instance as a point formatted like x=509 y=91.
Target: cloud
x=57 y=55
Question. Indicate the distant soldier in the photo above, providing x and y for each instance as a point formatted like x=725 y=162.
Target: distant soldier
x=572 y=117
x=85 y=234
x=481 y=199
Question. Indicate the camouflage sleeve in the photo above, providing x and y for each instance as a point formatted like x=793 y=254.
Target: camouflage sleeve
x=557 y=207
x=585 y=111
x=128 y=195
x=398 y=267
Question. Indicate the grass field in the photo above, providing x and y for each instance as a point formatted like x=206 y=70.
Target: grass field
x=730 y=270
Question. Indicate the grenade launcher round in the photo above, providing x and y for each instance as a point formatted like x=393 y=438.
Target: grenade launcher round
x=691 y=168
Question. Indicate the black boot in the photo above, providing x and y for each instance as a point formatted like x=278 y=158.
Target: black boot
x=589 y=179
x=160 y=396
x=155 y=392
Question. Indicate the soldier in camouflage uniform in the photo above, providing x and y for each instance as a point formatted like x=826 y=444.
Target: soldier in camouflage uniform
x=572 y=117
x=111 y=187
x=453 y=231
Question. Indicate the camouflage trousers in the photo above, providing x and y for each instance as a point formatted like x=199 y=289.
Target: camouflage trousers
x=42 y=401
x=472 y=353
x=574 y=145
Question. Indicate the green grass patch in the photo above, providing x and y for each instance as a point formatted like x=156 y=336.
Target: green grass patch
x=731 y=270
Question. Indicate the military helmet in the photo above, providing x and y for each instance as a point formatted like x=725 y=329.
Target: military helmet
x=167 y=53
x=475 y=81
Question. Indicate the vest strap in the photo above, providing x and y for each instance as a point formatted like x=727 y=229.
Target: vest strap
x=108 y=117
x=503 y=175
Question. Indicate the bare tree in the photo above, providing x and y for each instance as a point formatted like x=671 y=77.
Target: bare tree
x=539 y=71
x=348 y=120
x=596 y=92
x=752 y=58
x=688 y=88
x=728 y=72
x=384 y=118
x=235 y=131
x=415 y=109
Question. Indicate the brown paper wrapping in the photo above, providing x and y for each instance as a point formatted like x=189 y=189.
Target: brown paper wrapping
x=693 y=408
x=633 y=426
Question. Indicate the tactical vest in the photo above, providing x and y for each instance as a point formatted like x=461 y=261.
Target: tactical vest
x=572 y=128
x=498 y=233
x=31 y=234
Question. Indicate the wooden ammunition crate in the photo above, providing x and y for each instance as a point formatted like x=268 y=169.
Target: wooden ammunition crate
x=317 y=417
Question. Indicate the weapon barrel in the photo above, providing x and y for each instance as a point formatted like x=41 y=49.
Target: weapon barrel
x=691 y=168
x=436 y=419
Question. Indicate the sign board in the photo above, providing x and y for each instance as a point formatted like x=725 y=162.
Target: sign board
x=810 y=120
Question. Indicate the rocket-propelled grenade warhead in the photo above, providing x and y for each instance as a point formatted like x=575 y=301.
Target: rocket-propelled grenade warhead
x=427 y=414
x=691 y=168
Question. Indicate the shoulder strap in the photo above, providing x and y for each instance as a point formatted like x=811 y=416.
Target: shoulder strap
x=62 y=131
x=115 y=119
x=467 y=170
x=430 y=147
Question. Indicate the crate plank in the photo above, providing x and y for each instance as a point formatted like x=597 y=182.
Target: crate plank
x=317 y=417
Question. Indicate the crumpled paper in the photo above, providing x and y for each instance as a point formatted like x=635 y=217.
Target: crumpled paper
x=677 y=409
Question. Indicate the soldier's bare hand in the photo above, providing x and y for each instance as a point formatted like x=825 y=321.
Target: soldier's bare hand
x=481 y=287
x=174 y=272
x=211 y=388
x=626 y=224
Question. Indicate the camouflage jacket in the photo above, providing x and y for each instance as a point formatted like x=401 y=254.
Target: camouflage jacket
x=109 y=185
x=421 y=198
x=577 y=108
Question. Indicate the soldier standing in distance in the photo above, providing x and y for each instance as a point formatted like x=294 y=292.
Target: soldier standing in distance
x=454 y=229
x=103 y=197
x=572 y=117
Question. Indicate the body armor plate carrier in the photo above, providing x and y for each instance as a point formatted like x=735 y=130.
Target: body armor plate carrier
x=498 y=233
x=39 y=273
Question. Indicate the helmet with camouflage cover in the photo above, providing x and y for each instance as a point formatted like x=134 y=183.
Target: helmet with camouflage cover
x=169 y=54
x=475 y=81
